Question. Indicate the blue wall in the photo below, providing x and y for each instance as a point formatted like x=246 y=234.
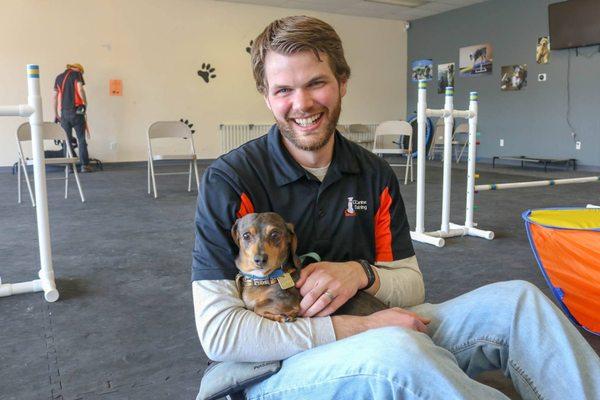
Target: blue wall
x=532 y=121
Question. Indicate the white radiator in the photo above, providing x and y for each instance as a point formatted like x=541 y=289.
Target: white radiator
x=234 y=135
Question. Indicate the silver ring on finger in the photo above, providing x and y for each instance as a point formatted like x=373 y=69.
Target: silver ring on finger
x=329 y=294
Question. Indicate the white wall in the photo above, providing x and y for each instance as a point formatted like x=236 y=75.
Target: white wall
x=157 y=46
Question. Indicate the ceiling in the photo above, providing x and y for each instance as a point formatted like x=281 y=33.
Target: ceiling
x=364 y=8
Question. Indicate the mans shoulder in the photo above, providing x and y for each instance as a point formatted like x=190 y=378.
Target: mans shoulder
x=251 y=156
x=369 y=161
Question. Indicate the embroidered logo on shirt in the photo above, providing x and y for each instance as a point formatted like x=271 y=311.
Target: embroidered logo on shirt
x=354 y=206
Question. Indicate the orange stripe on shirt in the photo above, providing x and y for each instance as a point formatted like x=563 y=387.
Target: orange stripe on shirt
x=383 y=230
x=246 y=206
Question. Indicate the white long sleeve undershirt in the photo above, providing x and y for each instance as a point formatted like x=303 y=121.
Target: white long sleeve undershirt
x=230 y=332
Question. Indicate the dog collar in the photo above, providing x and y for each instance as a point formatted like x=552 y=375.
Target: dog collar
x=273 y=275
x=284 y=280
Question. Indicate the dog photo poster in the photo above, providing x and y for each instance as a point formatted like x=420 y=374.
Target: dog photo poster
x=422 y=69
x=475 y=60
x=513 y=77
x=542 y=50
x=445 y=76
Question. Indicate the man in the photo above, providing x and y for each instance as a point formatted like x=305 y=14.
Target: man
x=69 y=102
x=346 y=206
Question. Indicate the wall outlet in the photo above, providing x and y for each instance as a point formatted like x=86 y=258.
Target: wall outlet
x=542 y=77
x=501 y=142
x=112 y=145
x=578 y=145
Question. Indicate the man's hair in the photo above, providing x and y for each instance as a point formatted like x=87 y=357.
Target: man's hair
x=295 y=34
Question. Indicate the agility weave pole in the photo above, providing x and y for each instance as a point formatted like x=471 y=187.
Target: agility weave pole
x=33 y=110
x=447 y=229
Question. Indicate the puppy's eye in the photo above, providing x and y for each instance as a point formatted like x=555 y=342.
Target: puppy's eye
x=275 y=235
x=246 y=236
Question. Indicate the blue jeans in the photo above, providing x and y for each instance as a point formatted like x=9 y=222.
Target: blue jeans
x=69 y=121
x=509 y=326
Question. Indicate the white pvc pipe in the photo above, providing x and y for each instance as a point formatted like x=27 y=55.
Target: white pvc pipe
x=550 y=182
x=421 y=148
x=464 y=113
x=471 y=160
x=8 y=289
x=424 y=238
x=21 y=110
x=447 y=182
x=436 y=113
x=34 y=100
x=34 y=111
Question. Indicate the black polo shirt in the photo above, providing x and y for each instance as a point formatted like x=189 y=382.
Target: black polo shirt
x=355 y=213
x=70 y=98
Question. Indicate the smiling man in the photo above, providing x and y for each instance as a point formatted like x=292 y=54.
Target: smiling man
x=346 y=206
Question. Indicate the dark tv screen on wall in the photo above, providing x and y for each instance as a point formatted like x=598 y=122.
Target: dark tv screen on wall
x=574 y=23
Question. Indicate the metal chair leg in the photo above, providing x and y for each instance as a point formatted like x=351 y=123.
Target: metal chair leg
x=78 y=183
x=28 y=183
x=196 y=173
x=406 y=168
x=66 y=180
x=153 y=178
x=19 y=181
x=190 y=177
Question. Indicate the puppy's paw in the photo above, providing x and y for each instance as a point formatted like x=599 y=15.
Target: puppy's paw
x=275 y=317
x=289 y=318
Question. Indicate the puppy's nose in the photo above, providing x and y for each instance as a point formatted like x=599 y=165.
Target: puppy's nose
x=261 y=259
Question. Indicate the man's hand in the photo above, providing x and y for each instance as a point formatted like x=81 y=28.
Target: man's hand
x=326 y=286
x=397 y=316
x=349 y=325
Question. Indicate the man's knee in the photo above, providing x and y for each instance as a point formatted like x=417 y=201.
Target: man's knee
x=520 y=290
x=393 y=348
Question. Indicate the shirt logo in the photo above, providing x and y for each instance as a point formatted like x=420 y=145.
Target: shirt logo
x=354 y=206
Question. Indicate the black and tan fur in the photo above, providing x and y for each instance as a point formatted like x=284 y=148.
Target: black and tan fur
x=267 y=242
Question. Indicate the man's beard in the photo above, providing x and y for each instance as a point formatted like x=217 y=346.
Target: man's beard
x=287 y=130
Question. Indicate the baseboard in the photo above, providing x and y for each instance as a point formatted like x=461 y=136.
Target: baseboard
x=205 y=162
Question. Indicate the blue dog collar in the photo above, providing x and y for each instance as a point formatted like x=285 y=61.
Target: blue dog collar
x=273 y=275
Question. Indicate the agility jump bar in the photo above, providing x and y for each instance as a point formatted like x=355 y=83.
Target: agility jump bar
x=550 y=182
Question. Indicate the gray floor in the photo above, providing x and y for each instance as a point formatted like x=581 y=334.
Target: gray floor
x=124 y=327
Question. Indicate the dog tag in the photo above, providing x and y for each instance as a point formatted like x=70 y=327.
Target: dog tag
x=285 y=281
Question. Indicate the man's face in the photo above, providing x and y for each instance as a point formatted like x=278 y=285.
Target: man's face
x=304 y=96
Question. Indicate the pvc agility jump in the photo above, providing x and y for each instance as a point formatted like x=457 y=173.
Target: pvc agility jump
x=448 y=229
x=33 y=110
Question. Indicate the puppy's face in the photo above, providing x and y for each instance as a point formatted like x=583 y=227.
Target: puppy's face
x=265 y=242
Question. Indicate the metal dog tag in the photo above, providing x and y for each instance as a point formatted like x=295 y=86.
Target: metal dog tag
x=286 y=281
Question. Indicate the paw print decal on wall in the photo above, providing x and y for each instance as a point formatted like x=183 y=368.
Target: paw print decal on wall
x=249 y=48
x=206 y=72
x=189 y=124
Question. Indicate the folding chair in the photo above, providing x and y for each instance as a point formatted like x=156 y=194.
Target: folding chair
x=50 y=131
x=437 y=143
x=360 y=134
x=173 y=130
x=390 y=139
x=462 y=130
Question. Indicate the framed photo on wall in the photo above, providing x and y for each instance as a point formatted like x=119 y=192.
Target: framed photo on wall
x=475 y=60
x=445 y=76
x=422 y=69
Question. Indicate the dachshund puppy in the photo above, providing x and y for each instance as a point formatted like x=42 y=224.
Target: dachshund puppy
x=268 y=265
x=269 y=269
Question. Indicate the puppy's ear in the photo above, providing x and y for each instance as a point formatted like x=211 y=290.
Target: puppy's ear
x=234 y=233
x=293 y=258
x=293 y=239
